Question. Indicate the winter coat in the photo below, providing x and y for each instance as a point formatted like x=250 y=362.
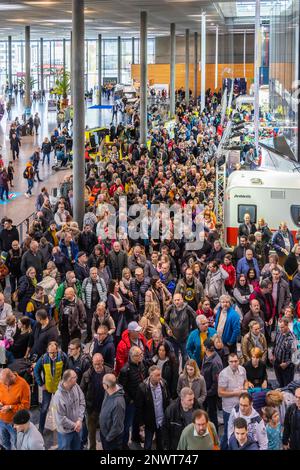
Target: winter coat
x=61 y=292
x=87 y=287
x=249 y=444
x=7 y=237
x=230 y=281
x=283 y=296
x=116 y=263
x=193 y=346
x=181 y=321
x=35 y=261
x=244 y=230
x=248 y=344
x=211 y=368
x=232 y=329
x=131 y=375
x=242 y=298
x=278 y=241
x=266 y=303
x=170 y=374
x=198 y=387
x=124 y=347
x=87 y=386
x=87 y=242
x=107 y=349
x=107 y=320
x=76 y=318
x=112 y=415
x=133 y=264
x=13 y=262
x=214 y=285
x=26 y=290
x=174 y=424
x=249 y=317
x=69 y=407
x=82 y=271
x=296 y=288
x=74 y=250
x=139 y=290
x=41 y=337
x=49 y=372
x=243 y=267
x=182 y=288
x=145 y=412
x=49 y=285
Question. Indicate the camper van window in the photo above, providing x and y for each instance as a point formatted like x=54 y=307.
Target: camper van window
x=247 y=209
x=295 y=214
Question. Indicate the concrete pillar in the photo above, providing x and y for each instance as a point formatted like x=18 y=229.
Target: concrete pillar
x=87 y=66
x=100 y=68
x=172 y=68
x=119 y=58
x=244 y=54
x=217 y=58
x=71 y=66
x=143 y=89
x=203 y=60
x=9 y=64
x=187 y=65
x=256 y=76
x=79 y=109
x=64 y=54
x=27 y=67
x=195 y=66
x=132 y=50
x=42 y=63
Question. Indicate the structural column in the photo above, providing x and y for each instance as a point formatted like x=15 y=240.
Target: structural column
x=42 y=63
x=244 y=54
x=9 y=65
x=217 y=58
x=256 y=76
x=143 y=90
x=27 y=67
x=119 y=59
x=132 y=50
x=71 y=66
x=100 y=68
x=187 y=65
x=203 y=60
x=79 y=111
x=172 y=68
x=195 y=66
x=64 y=54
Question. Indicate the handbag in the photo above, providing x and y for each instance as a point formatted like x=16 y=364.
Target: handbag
x=50 y=418
x=15 y=296
x=215 y=444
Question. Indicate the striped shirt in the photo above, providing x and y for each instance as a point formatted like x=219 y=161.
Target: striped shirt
x=283 y=347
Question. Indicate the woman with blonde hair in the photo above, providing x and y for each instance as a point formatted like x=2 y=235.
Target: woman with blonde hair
x=192 y=378
x=150 y=321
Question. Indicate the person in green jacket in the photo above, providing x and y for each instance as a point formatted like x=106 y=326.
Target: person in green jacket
x=201 y=434
x=70 y=281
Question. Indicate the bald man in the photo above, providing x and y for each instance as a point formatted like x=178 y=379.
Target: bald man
x=14 y=396
x=112 y=414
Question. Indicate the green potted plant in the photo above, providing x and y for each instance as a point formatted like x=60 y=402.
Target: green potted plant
x=62 y=87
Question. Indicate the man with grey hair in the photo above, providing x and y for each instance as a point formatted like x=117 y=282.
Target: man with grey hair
x=177 y=416
x=112 y=415
x=195 y=342
x=69 y=409
x=282 y=353
x=227 y=323
x=33 y=258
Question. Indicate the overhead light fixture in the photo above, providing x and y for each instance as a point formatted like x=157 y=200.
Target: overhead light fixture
x=18 y=20
x=41 y=3
x=124 y=22
x=10 y=7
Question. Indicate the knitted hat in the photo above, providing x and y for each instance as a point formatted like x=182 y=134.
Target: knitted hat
x=21 y=417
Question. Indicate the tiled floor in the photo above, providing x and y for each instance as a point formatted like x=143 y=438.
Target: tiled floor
x=19 y=207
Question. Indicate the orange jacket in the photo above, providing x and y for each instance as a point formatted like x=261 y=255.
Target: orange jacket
x=17 y=395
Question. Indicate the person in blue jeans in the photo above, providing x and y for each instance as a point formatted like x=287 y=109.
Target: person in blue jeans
x=69 y=409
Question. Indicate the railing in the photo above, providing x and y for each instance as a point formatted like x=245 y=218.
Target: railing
x=23 y=227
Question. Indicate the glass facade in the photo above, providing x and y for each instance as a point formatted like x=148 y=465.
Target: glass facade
x=284 y=67
x=53 y=60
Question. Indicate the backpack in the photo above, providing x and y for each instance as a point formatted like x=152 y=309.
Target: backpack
x=26 y=174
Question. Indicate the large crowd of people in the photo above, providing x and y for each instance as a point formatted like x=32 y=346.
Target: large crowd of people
x=162 y=346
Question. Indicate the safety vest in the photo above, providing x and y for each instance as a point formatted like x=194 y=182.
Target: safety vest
x=52 y=381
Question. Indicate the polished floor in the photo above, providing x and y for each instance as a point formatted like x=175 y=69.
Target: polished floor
x=18 y=208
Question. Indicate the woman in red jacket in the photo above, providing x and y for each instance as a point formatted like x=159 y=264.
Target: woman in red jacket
x=230 y=269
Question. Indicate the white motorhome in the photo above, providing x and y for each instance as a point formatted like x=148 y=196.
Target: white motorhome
x=272 y=195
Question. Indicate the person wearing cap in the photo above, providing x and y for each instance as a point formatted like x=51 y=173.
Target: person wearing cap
x=130 y=337
x=81 y=268
x=28 y=436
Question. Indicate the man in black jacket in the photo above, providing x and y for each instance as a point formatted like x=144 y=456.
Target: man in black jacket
x=152 y=400
x=211 y=367
x=131 y=375
x=77 y=360
x=104 y=345
x=92 y=387
x=44 y=331
x=13 y=262
x=177 y=416
x=139 y=286
x=240 y=250
x=291 y=431
x=33 y=258
x=8 y=235
x=117 y=260
x=87 y=240
x=81 y=268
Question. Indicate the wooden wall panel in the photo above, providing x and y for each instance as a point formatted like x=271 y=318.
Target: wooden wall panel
x=160 y=73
